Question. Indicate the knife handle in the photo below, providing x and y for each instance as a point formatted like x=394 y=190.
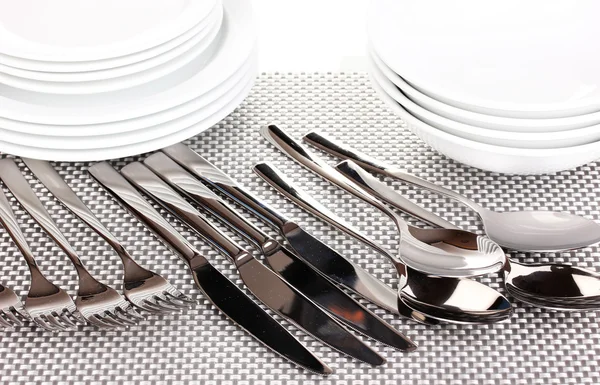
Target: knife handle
x=182 y=181
x=130 y=199
x=209 y=173
x=148 y=182
x=286 y=187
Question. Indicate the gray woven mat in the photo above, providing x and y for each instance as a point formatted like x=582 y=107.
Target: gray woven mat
x=201 y=346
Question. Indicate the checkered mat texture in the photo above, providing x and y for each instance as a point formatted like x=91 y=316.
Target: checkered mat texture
x=201 y=346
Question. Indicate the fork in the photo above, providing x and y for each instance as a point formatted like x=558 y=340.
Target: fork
x=49 y=306
x=11 y=309
x=99 y=304
x=145 y=289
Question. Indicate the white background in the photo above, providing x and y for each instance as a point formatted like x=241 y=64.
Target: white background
x=311 y=35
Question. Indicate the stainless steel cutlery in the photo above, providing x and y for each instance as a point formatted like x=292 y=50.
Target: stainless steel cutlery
x=454 y=300
x=519 y=230
x=49 y=306
x=142 y=287
x=329 y=262
x=281 y=260
x=219 y=290
x=555 y=286
x=268 y=287
x=12 y=312
x=99 y=304
x=452 y=253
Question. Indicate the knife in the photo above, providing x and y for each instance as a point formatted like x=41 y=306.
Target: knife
x=267 y=286
x=285 y=263
x=225 y=295
x=323 y=258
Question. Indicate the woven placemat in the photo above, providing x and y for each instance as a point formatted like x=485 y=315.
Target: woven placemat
x=201 y=346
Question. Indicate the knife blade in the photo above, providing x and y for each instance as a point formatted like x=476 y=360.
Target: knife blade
x=219 y=290
x=267 y=286
x=287 y=264
x=323 y=258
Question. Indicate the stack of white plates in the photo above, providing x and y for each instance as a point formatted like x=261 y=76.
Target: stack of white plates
x=104 y=79
x=511 y=87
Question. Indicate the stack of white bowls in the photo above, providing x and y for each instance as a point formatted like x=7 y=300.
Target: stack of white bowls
x=511 y=86
x=92 y=80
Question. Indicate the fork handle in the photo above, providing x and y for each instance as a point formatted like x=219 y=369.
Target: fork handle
x=8 y=220
x=209 y=173
x=148 y=182
x=130 y=199
x=22 y=191
x=189 y=186
x=46 y=174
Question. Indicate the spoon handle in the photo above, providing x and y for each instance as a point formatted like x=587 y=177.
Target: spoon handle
x=382 y=191
x=343 y=151
x=287 y=188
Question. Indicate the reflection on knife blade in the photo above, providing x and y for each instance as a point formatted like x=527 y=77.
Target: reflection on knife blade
x=293 y=269
x=224 y=294
x=273 y=291
x=319 y=255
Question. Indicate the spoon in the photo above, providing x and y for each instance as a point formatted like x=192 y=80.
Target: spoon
x=447 y=252
x=553 y=286
x=539 y=231
x=452 y=300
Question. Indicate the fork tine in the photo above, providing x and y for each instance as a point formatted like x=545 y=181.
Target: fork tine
x=122 y=316
x=56 y=322
x=65 y=320
x=12 y=318
x=178 y=300
x=74 y=318
x=114 y=321
x=134 y=313
x=151 y=308
x=44 y=324
x=4 y=322
x=21 y=313
x=101 y=323
x=166 y=303
x=181 y=297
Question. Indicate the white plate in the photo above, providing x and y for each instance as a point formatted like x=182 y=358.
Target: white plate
x=558 y=139
x=8 y=127
x=511 y=125
x=488 y=157
x=74 y=30
x=97 y=65
x=525 y=59
x=233 y=46
x=167 y=63
x=144 y=134
x=127 y=150
x=199 y=32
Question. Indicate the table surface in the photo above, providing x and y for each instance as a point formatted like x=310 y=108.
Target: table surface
x=201 y=346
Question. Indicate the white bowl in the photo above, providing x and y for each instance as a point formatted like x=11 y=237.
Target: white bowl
x=557 y=139
x=489 y=157
x=482 y=120
x=522 y=59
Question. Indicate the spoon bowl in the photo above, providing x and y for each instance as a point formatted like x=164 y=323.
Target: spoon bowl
x=539 y=231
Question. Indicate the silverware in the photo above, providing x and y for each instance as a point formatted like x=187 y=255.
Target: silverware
x=518 y=230
x=144 y=288
x=49 y=306
x=99 y=304
x=452 y=253
x=328 y=261
x=555 y=286
x=219 y=290
x=285 y=263
x=454 y=300
x=269 y=288
x=12 y=312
